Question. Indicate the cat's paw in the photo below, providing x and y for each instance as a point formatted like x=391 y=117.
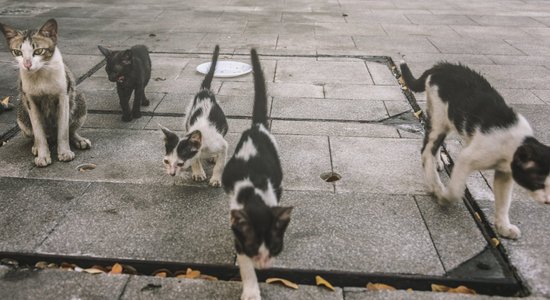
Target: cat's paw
x=444 y=198
x=215 y=182
x=199 y=177
x=440 y=166
x=508 y=231
x=83 y=143
x=126 y=118
x=42 y=161
x=66 y=155
x=136 y=114
x=145 y=102
x=251 y=294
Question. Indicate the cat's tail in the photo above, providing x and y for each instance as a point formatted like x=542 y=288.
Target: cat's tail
x=208 y=78
x=416 y=85
x=259 y=113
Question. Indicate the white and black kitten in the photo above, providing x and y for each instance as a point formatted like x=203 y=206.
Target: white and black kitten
x=51 y=109
x=461 y=100
x=206 y=126
x=131 y=70
x=252 y=179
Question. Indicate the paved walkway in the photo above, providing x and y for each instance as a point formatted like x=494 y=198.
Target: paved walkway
x=335 y=106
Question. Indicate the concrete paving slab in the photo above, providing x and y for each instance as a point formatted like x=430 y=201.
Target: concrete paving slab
x=108 y=100
x=531 y=46
x=332 y=129
x=210 y=26
x=303 y=159
x=301 y=42
x=230 y=42
x=472 y=46
x=515 y=21
x=387 y=45
x=453 y=231
x=361 y=294
x=364 y=92
x=184 y=224
x=355 y=29
x=380 y=73
x=80 y=64
x=520 y=96
x=252 y=15
x=362 y=233
x=170 y=288
x=543 y=95
x=159 y=40
x=537 y=115
x=176 y=123
x=286 y=89
x=419 y=30
x=278 y=28
x=485 y=33
x=58 y=284
x=31 y=209
x=391 y=166
x=16 y=157
x=318 y=109
x=113 y=121
x=322 y=72
x=454 y=19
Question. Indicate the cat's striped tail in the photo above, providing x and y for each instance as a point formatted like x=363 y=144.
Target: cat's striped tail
x=259 y=113
x=416 y=85
x=208 y=78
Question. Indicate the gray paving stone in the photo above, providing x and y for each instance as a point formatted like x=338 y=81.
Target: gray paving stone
x=362 y=233
x=380 y=73
x=363 y=92
x=430 y=59
x=363 y=16
x=396 y=30
x=453 y=231
x=313 y=17
x=108 y=100
x=485 y=33
x=472 y=46
x=171 y=288
x=318 y=109
x=520 y=96
x=516 y=21
x=31 y=209
x=332 y=129
x=389 y=166
x=300 y=42
x=163 y=41
x=80 y=64
x=537 y=117
x=355 y=29
x=210 y=26
x=286 y=89
x=252 y=15
x=230 y=42
x=427 y=19
x=176 y=123
x=523 y=77
x=277 y=28
x=3 y=271
x=303 y=159
x=113 y=121
x=543 y=95
x=361 y=294
x=16 y=157
x=322 y=72
x=59 y=284
x=531 y=46
x=143 y=222
x=388 y=45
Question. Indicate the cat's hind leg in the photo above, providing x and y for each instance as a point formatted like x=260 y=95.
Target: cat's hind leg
x=78 y=118
x=433 y=140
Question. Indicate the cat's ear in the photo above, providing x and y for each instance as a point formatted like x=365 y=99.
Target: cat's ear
x=9 y=32
x=106 y=52
x=196 y=139
x=126 y=57
x=49 y=30
x=525 y=156
x=169 y=136
x=282 y=216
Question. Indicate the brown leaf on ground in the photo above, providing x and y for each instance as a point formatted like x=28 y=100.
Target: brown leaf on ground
x=458 y=290
x=321 y=281
x=208 y=277
x=93 y=271
x=379 y=287
x=495 y=242
x=161 y=274
x=116 y=269
x=41 y=265
x=287 y=283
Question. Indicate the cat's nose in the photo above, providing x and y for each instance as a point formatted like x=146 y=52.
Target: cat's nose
x=27 y=64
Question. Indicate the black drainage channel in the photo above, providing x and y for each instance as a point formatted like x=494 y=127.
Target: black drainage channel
x=485 y=286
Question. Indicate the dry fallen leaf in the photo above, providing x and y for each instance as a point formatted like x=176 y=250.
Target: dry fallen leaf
x=495 y=242
x=116 y=269
x=321 y=281
x=161 y=274
x=93 y=271
x=379 y=287
x=41 y=265
x=417 y=114
x=478 y=217
x=208 y=277
x=287 y=283
x=458 y=290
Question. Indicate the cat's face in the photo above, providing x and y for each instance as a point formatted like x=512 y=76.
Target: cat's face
x=259 y=235
x=119 y=64
x=32 y=49
x=180 y=153
x=531 y=168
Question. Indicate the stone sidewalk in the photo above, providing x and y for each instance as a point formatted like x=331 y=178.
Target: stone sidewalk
x=333 y=108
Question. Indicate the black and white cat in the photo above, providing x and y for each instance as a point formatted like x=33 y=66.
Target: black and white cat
x=51 y=109
x=131 y=70
x=461 y=100
x=206 y=126
x=252 y=179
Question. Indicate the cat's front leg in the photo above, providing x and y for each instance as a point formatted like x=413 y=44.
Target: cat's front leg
x=64 y=152
x=139 y=98
x=124 y=95
x=197 y=171
x=251 y=289
x=502 y=187
x=40 y=148
x=216 y=180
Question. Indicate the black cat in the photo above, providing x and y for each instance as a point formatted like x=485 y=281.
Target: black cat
x=131 y=70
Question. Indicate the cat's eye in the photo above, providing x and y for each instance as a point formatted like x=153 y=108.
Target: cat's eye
x=180 y=164
x=39 y=51
x=16 y=52
x=166 y=161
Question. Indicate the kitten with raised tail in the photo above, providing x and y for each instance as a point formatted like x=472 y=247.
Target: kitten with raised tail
x=51 y=109
x=252 y=178
x=131 y=70
x=496 y=137
x=206 y=127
